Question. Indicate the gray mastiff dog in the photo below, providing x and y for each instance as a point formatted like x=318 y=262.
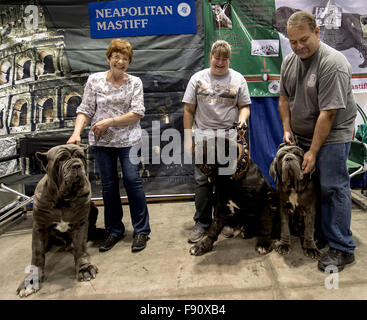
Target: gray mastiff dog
x=297 y=199
x=61 y=209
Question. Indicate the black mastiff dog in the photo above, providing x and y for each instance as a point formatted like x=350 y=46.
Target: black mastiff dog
x=297 y=199
x=243 y=195
x=61 y=209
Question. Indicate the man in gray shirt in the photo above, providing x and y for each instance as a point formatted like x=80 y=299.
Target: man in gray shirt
x=316 y=104
x=214 y=98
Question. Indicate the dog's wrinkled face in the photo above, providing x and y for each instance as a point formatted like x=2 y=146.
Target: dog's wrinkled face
x=287 y=166
x=64 y=164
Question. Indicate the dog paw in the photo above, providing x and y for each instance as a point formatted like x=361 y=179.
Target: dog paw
x=282 y=248
x=312 y=253
x=195 y=250
x=263 y=247
x=31 y=283
x=25 y=290
x=201 y=247
x=87 y=273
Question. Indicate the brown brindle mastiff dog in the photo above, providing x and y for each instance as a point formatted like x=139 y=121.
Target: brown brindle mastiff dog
x=61 y=209
x=297 y=199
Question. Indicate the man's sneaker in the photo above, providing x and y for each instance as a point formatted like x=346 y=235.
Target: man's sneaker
x=196 y=234
x=227 y=231
x=110 y=241
x=333 y=259
x=139 y=242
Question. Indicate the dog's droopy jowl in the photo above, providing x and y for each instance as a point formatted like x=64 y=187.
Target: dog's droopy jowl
x=61 y=209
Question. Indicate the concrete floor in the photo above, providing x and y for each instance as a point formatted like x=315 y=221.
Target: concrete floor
x=166 y=271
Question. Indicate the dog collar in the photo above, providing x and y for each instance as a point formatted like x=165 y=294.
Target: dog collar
x=242 y=162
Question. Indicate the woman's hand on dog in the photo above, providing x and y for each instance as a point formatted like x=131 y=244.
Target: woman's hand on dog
x=74 y=139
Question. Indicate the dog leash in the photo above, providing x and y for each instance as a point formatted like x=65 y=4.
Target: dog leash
x=240 y=136
x=283 y=144
x=242 y=161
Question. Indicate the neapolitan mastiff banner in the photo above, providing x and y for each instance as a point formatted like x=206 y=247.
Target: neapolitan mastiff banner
x=126 y=18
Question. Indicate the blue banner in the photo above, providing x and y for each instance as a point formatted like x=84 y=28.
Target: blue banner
x=126 y=18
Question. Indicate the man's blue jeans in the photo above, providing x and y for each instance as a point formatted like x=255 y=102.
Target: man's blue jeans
x=106 y=159
x=333 y=186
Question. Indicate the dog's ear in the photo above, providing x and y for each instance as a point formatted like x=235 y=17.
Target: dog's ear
x=42 y=157
x=308 y=176
x=272 y=171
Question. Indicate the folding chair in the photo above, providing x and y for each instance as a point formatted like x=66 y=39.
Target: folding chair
x=361 y=133
x=357 y=161
x=17 y=207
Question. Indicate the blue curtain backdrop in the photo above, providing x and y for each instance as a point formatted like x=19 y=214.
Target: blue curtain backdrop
x=266 y=133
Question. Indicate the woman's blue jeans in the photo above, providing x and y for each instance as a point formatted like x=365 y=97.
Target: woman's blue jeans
x=107 y=159
x=333 y=186
x=203 y=200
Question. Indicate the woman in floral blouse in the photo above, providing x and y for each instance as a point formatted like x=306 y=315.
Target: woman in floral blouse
x=113 y=102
